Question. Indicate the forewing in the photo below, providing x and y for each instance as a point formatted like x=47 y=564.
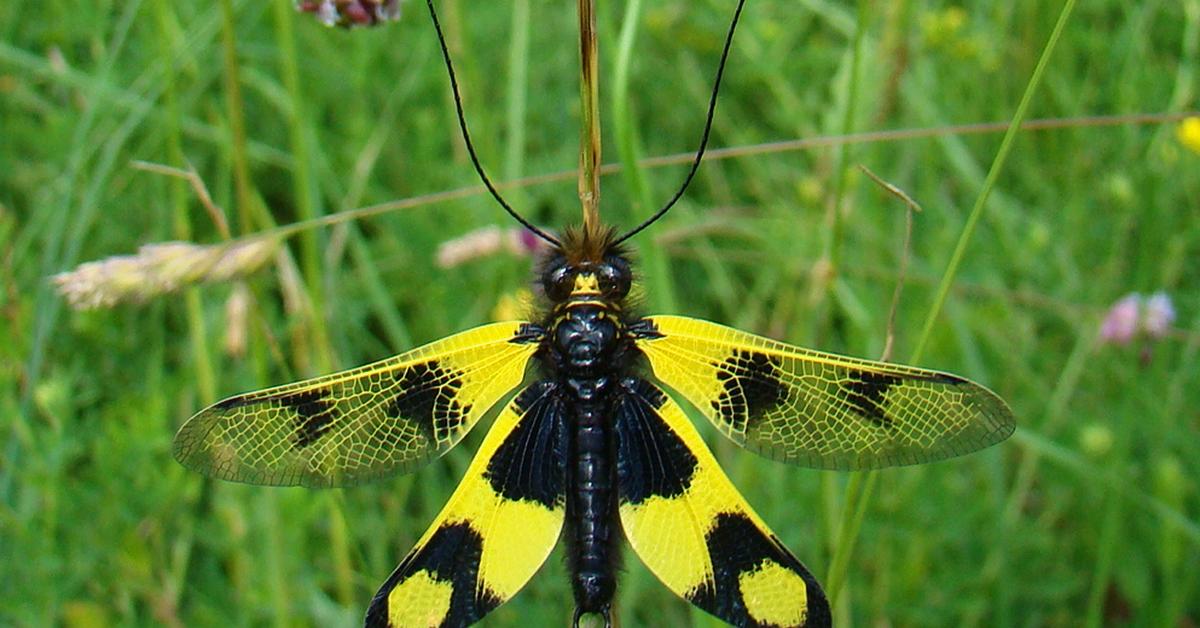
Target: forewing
x=694 y=530
x=496 y=530
x=818 y=409
x=383 y=418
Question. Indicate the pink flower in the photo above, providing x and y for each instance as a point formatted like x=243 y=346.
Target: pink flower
x=488 y=241
x=1133 y=316
x=527 y=242
x=1121 y=322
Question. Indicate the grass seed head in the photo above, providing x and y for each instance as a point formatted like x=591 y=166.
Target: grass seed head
x=159 y=269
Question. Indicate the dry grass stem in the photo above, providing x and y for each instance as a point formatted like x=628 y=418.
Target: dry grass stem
x=193 y=179
x=910 y=207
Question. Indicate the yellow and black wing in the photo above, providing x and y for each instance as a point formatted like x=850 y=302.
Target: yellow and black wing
x=383 y=418
x=497 y=529
x=692 y=528
x=818 y=409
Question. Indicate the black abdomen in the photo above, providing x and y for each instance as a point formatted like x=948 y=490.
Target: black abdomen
x=591 y=499
x=587 y=352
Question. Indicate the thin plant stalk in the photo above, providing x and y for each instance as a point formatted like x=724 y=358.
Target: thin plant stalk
x=833 y=246
x=654 y=260
x=202 y=360
x=832 y=255
x=993 y=175
x=518 y=90
x=245 y=204
x=589 y=101
x=237 y=120
x=851 y=517
x=303 y=183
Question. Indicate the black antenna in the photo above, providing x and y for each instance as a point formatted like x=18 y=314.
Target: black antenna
x=462 y=124
x=712 y=106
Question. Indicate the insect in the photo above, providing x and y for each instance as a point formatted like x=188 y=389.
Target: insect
x=590 y=446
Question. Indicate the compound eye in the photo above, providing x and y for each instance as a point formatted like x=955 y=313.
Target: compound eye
x=614 y=280
x=558 y=283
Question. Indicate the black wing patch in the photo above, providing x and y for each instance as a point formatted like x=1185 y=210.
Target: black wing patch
x=867 y=393
x=651 y=462
x=314 y=415
x=495 y=531
x=429 y=392
x=694 y=530
x=529 y=464
x=750 y=387
x=449 y=558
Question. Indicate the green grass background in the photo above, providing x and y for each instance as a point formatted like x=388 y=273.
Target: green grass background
x=1090 y=514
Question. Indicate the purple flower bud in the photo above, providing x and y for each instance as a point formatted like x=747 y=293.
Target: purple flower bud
x=529 y=241
x=349 y=13
x=358 y=14
x=1158 y=316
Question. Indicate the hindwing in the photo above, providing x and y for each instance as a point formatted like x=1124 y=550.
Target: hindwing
x=383 y=418
x=694 y=530
x=497 y=529
x=818 y=409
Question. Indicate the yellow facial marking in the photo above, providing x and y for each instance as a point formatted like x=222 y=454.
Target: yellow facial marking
x=774 y=595
x=586 y=284
x=419 y=601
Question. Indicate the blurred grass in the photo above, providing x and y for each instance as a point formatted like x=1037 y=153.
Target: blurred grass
x=1090 y=512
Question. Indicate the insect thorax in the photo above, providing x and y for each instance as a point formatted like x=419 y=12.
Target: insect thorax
x=586 y=282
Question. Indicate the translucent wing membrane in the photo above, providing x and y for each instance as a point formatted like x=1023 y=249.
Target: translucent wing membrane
x=692 y=528
x=388 y=417
x=818 y=409
x=495 y=532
